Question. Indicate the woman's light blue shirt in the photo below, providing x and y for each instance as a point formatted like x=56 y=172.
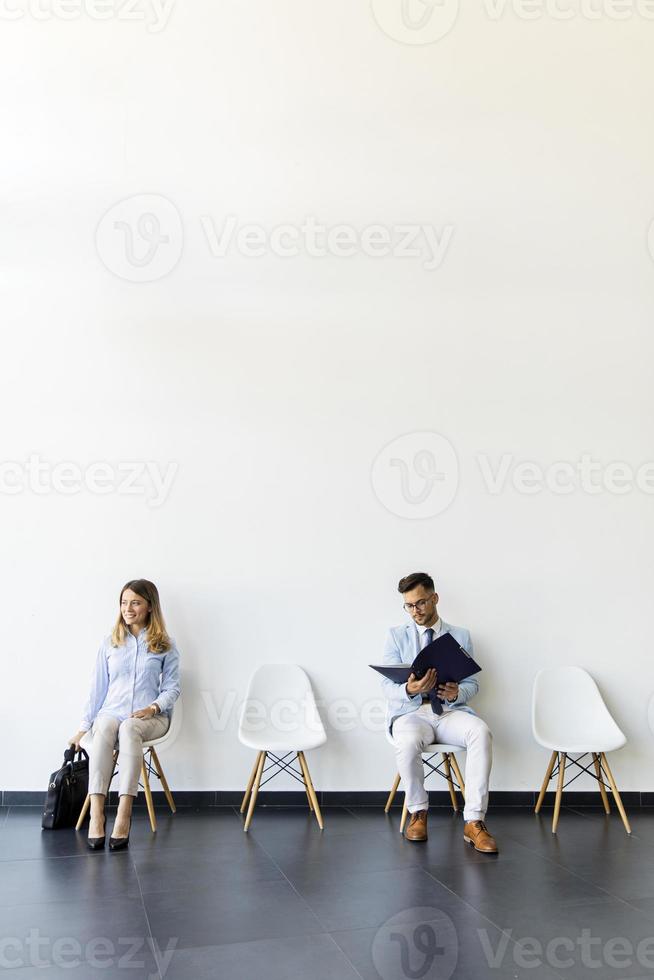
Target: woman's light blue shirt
x=131 y=677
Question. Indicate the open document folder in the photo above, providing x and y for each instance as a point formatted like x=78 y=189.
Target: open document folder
x=444 y=654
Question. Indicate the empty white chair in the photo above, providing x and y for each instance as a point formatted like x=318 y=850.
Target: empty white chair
x=448 y=762
x=570 y=718
x=149 y=767
x=280 y=719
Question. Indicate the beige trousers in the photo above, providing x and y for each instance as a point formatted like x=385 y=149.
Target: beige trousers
x=127 y=736
x=413 y=732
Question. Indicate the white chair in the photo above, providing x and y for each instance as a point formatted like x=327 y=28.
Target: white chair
x=280 y=719
x=569 y=717
x=149 y=767
x=448 y=762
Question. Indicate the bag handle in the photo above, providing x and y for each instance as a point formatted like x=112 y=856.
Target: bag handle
x=69 y=754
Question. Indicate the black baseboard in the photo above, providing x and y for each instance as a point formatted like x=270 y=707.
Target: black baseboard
x=350 y=798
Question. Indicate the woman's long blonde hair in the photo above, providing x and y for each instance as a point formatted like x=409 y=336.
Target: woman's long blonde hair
x=156 y=634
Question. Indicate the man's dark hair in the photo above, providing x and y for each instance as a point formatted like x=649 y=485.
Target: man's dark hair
x=415 y=579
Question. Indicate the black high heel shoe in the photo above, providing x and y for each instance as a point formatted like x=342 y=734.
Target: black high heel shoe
x=120 y=843
x=96 y=843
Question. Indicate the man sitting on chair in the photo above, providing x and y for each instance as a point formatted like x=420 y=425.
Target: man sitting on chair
x=414 y=723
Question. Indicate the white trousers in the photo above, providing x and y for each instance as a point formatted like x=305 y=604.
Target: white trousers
x=413 y=732
x=130 y=735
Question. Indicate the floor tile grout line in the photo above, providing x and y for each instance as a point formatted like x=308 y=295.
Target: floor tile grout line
x=47 y=857
x=575 y=874
x=412 y=868
x=154 y=946
x=343 y=953
x=587 y=881
x=550 y=859
x=290 y=883
x=478 y=912
x=324 y=931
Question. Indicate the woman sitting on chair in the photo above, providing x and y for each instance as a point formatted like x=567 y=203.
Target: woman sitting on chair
x=134 y=687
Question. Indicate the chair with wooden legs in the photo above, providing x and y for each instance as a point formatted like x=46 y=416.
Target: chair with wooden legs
x=569 y=717
x=448 y=763
x=151 y=766
x=280 y=721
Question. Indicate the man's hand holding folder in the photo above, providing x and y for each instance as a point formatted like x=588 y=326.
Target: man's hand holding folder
x=447 y=692
x=424 y=685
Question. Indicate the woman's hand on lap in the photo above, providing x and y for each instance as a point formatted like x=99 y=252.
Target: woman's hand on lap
x=148 y=712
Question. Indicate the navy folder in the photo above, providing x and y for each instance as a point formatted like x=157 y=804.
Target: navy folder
x=444 y=653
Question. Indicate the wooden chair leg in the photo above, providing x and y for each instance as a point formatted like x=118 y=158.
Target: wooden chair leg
x=614 y=790
x=312 y=793
x=163 y=781
x=83 y=812
x=113 y=771
x=148 y=795
x=255 y=791
x=559 y=791
x=391 y=795
x=457 y=773
x=600 y=780
x=248 y=789
x=546 y=782
x=446 y=763
x=404 y=815
x=304 y=780
x=306 y=785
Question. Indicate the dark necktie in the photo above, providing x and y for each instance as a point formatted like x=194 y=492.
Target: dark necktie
x=434 y=700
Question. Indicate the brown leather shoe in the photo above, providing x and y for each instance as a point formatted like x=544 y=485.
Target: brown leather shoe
x=417 y=829
x=475 y=833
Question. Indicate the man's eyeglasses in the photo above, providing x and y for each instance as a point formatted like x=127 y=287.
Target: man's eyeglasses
x=419 y=606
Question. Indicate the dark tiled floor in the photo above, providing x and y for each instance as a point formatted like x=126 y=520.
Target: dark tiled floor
x=201 y=899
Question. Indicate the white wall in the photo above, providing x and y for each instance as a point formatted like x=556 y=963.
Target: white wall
x=274 y=382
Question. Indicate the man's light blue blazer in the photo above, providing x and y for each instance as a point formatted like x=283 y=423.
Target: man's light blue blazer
x=402 y=647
